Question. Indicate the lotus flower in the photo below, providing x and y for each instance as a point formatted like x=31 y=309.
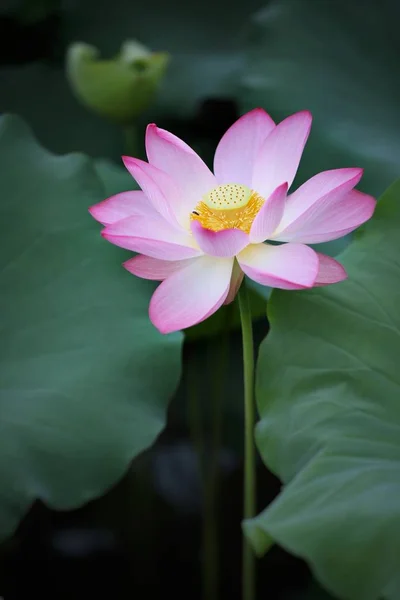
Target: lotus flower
x=199 y=233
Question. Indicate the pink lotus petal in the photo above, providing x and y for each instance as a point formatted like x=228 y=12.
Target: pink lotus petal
x=191 y=294
x=315 y=196
x=157 y=185
x=147 y=267
x=167 y=136
x=330 y=271
x=270 y=215
x=279 y=156
x=289 y=266
x=183 y=165
x=120 y=206
x=333 y=219
x=225 y=243
x=236 y=282
x=238 y=148
x=153 y=237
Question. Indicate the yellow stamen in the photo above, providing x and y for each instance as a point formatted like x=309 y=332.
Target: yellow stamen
x=228 y=206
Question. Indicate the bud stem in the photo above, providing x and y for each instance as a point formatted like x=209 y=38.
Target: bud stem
x=131 y=140
x=249 y=484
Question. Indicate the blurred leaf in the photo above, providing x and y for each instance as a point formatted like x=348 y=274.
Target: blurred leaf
x=328 y=395
x=334 y=247
x=340 y=60
x=115 y=178
x=62 y=125
x=85 y=376
x=313 y=592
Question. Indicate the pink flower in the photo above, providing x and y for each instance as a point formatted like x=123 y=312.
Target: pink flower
x=200 y=233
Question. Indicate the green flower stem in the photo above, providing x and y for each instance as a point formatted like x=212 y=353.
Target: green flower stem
x=249 y=483
x=131 y=140
x=210 y=543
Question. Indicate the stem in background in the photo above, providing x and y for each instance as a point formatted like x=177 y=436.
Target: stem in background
x=131 y=140
x=195 y=418
x=210 y=537
x=209 y=562
x=219 y=354
x=249 y=483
